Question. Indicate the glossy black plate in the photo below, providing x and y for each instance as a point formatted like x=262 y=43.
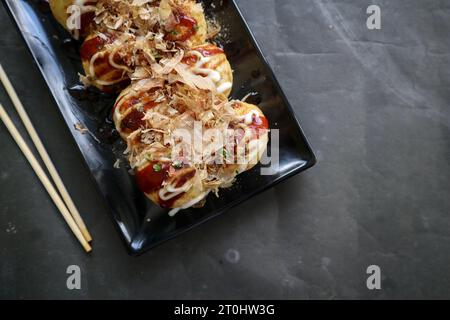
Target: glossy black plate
x=143 y=224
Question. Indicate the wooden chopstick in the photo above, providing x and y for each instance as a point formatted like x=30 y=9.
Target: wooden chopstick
x=43 y=177
x=44 y=155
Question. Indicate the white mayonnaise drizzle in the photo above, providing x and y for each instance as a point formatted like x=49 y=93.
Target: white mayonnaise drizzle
x=117 y=111
x=212 y=74
x=94 y=76
x=248 y=118
x=174 y=211
x=224 y=87
x=114 y=64
x=170 y=192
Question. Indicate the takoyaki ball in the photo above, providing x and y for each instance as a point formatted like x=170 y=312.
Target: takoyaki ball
x=210 y=61
x=86 y=9
x=189 y=25
x=170 y=185
x=130 y=108
x=251 y=135
x=103 y=66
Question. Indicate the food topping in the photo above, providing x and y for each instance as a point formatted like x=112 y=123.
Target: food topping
x=183 y=135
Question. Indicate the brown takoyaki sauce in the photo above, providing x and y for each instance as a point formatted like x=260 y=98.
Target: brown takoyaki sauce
x=133 y=121
x=185 y=28
x=94 y=45
x=185 y=177
x=86 y=19
x=148 y=179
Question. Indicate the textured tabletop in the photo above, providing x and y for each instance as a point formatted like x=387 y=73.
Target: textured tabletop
x=374 y=105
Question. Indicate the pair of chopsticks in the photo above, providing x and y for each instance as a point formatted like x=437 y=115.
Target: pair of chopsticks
x=62 y=200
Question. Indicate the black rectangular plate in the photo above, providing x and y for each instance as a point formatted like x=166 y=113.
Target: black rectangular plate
x=142 y=224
